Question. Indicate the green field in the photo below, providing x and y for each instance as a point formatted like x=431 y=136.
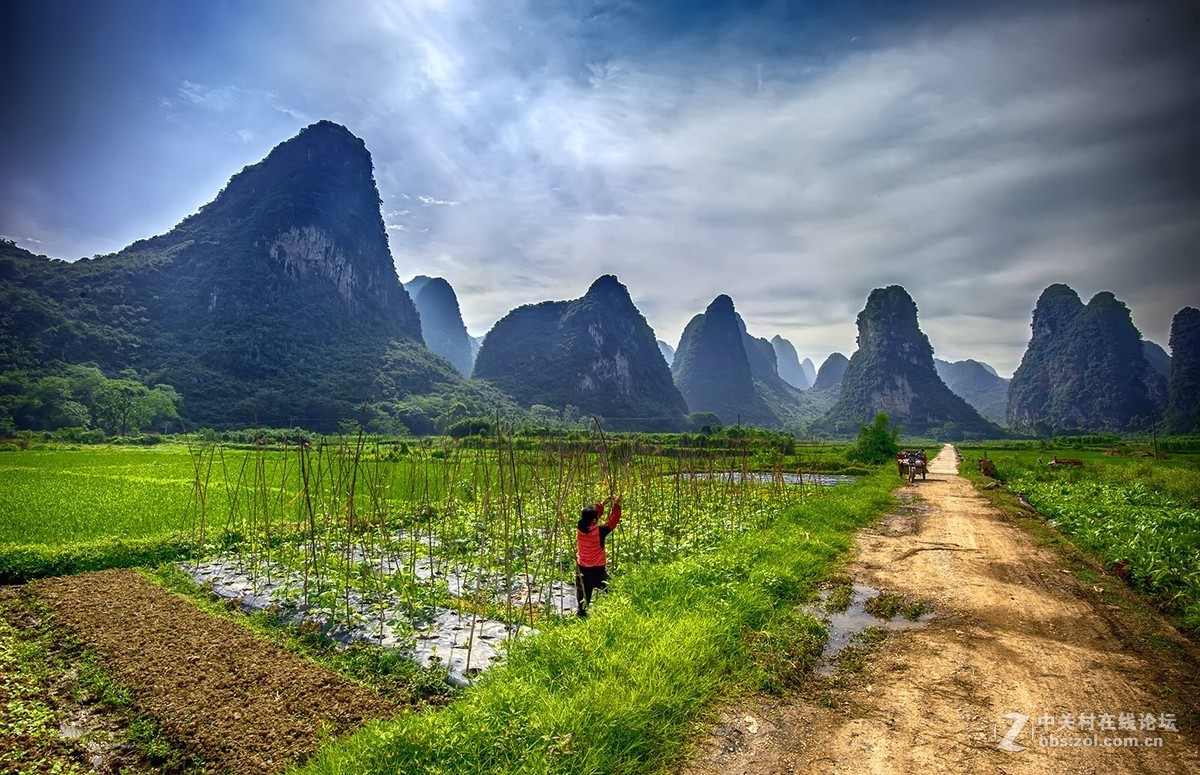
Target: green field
x=709 y=571
x=616 y=693
x=1139 y=516
x=56 y=497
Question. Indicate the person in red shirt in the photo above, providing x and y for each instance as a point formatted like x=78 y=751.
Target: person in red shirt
x=591 y=573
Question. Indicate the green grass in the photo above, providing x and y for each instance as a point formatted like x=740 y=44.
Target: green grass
x=55 y=497
x=615 y=693
x=888 y=606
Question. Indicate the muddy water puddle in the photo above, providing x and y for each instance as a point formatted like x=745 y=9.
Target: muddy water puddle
x=844 y=627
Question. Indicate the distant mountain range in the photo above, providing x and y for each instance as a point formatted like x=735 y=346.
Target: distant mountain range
x=668 y=352
x=810 y=370
x=278 y=304
x=978 y=384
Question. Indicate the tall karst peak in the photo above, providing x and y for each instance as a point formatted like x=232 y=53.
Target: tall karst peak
x=893 y=371
x=829 y=376
x=607 y=284
x=1183 y=404
x=1085 y=368
x=720 y=368
x=788 y=363
x=306 y=215
x=277 y=302
x=722 y=305
x=1056 y=308
x=712 y=369
x=810 y=370
x=441 y=321
x=889 y=322
x=595 y=354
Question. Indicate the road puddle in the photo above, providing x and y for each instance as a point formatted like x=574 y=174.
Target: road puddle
x=845 y=626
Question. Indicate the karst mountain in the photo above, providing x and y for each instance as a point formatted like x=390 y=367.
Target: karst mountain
x=596 y=354
x=276 y=304
x=1085 y=369
x=442 y=325
x=892 y=371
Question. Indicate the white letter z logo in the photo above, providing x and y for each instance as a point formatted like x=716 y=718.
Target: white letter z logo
x=1018 y=723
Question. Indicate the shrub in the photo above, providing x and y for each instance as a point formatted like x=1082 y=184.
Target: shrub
x=877 y=443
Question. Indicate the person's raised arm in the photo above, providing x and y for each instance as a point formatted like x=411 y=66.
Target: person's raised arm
x=614 y=515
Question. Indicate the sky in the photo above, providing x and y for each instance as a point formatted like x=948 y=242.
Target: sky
x=793 y=155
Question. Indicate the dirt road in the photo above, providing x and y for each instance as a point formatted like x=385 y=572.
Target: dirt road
x=1024 y=669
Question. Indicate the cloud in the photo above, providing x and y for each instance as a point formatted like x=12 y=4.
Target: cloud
x=792 y=157
x=973 y=162
x=214 y=98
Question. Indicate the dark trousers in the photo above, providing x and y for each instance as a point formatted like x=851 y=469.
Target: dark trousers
x=588 y=580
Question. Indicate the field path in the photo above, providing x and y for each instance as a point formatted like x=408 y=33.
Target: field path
x=236 y=701
x=1014 y=633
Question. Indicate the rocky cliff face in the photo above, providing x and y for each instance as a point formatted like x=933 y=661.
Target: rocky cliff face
x=892 y=371
x=978 y=384
x=275 y=303
x=790 y=370
x=1084 y=370
x=1183 y=403
x=300 y=227
x=441 y=321
x=596 y=353
x=829 y=378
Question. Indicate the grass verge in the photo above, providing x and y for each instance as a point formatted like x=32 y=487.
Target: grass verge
x=22 y=563
x=615 y=693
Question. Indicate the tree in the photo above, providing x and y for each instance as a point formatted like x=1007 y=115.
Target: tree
x=877 y=442
x=116 y=405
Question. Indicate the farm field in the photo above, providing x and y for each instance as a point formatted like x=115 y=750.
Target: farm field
x=714 y=551
x=1139 y=516
x=58 y=496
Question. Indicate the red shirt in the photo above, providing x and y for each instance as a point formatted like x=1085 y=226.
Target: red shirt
x=591 y=543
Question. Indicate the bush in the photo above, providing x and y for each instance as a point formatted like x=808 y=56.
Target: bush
x=877 y=443
x=470 y=426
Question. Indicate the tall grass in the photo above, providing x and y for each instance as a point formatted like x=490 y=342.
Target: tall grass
x=614 y=693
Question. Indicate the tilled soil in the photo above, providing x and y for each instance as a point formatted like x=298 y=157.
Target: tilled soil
x=1015 y=635
x=232 y=699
